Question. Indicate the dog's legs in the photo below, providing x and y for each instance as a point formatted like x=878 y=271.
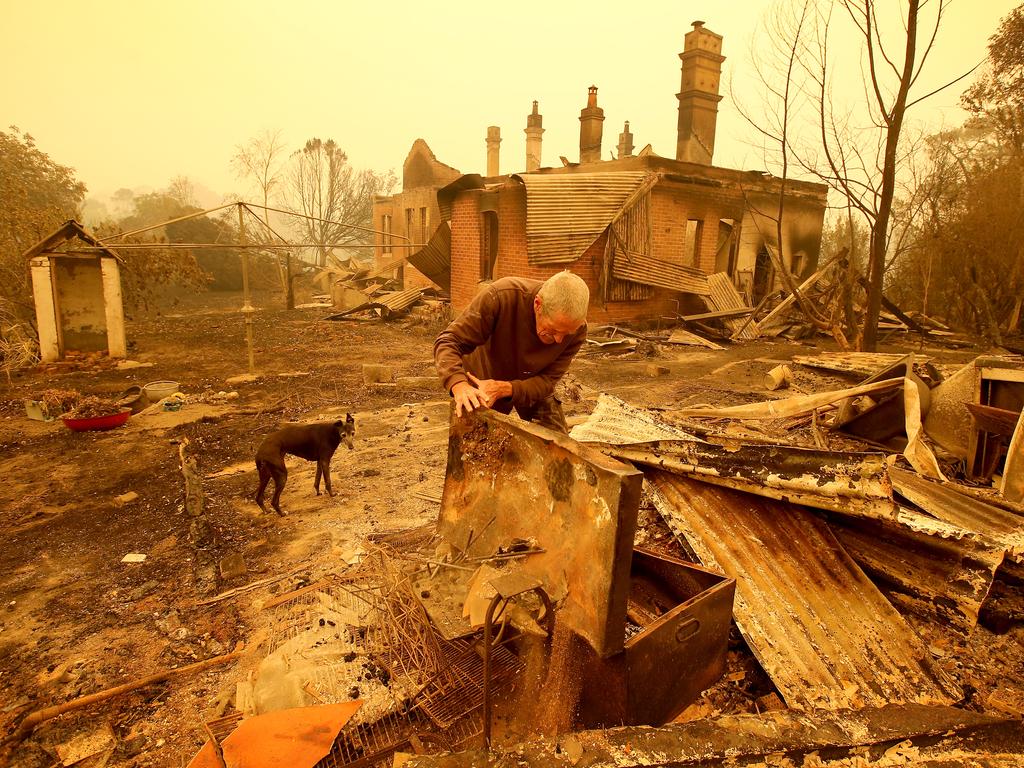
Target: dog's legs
x=280 y=478
x=316 y=480
x=324 y=467
x=264 y=470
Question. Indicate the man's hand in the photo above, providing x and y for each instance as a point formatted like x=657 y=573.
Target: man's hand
x=481 y=393
x=491 y=389
x=467 y=398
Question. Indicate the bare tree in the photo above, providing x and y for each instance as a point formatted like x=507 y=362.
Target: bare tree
x=334 y=201
x=862 y=162
x=853 y=142
x=785 y=29
x=183 y=191
x=261 y=160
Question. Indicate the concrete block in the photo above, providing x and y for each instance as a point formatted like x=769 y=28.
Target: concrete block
x=245 y=378
x=232 y=566
x=125 y=498
x=654 y=371
x=418 y=382
x=377 y=374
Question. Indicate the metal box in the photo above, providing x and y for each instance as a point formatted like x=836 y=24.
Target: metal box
x=663 y=667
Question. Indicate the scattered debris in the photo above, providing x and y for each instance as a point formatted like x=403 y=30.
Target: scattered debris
x=134 y=557
x=823 y=632
x=126 y=498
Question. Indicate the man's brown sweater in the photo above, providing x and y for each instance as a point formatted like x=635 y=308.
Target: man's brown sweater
x=496 y=338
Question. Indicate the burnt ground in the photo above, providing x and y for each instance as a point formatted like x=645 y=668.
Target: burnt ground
x=74 y=619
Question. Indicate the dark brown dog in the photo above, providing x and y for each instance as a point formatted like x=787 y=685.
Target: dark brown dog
x=314 y=442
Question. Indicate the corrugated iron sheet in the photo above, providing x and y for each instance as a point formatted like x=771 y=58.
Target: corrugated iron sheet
x=399 y=301
x=724 y=296
x=648 y=270
x=446 y=195
x=998 y=525
x=435 y=259
x=862 y=364
x=630 y=232
x=822 y=631
x=566 y=213
x=852 y=483
x=925 y=565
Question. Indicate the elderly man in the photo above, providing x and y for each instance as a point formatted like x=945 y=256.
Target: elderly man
x=513 y=344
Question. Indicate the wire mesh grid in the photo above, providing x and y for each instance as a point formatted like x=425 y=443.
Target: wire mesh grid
x=436 y=685
x=458 y=689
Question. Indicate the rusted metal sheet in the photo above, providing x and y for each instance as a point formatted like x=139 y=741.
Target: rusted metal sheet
x=999 y=525
x=566 y=213
x=924 y=565
x=399 y=301
x=446 y=195
x=690 y=639
x=511 y=480
x=725 y=296
x=863 y=364
x=630 y=232
x=435 y=259
x=895 y=735
x=852 y=483
x=822 y=631
x=642 y=268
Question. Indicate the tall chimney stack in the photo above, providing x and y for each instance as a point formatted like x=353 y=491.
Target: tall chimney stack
x=534 y=129
x=626 y=142
x=591 y=119
x=698 y=96
x=493 y=142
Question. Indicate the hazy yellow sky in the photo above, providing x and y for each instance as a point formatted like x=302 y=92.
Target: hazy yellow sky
x=134 y=92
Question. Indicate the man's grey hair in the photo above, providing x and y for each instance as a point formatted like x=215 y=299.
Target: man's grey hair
x=564 y=294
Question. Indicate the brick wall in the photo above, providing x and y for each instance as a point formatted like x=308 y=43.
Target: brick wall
x=672 y=205
x=465 y=248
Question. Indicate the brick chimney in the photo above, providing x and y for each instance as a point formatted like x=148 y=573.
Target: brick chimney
x=591 y=119
x=493 y=142
x=626 y=142
x=698 y=95
x=534 y=129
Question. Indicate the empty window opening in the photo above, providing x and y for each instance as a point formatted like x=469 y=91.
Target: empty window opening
x=691 y=242
x=385 y=225
x=488 y=244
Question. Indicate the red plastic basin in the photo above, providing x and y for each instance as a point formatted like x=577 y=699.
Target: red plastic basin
x=98 y=422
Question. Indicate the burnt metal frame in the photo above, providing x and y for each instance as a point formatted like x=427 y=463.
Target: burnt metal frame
x=507 y=589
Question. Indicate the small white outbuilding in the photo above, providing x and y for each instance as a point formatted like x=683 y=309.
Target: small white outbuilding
x=77 y=295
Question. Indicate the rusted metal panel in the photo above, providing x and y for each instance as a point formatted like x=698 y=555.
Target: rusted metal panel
x=446 y=195
x=630 y=232
x=435 y=259
x=690 y=640
x=890 y=735
x=509 y=480
x=820 y=628
x=852 y=483
x=863 y=364
x=566 y=213
x=923 y=564
x=725 y=296
x=999 y=525
x=399 y=301
x=641 y=268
